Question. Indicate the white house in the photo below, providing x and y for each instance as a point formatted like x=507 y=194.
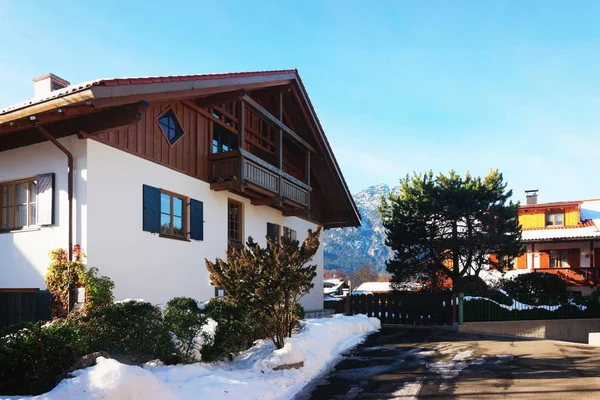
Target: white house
x=151 y=176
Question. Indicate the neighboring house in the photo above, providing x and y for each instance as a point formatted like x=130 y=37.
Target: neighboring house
x=374 y=287
x=154 y=175
x=333 y=287
x=562 y=238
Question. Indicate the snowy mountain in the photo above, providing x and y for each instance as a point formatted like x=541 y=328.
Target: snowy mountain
x=349 y=248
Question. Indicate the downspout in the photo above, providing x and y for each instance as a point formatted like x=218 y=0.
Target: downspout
x=62 y=148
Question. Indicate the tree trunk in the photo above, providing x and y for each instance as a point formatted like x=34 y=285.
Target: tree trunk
x=455 y=258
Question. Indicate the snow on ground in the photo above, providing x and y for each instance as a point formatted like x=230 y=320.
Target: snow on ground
x=250 y=376
x=450 y=369
x=516 y=305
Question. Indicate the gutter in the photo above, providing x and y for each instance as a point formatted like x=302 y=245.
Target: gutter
x=62 y=148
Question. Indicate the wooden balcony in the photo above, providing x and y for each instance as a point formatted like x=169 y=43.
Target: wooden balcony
x=242 y=172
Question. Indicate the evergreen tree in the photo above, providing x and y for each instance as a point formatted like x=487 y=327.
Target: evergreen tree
x=448 y=226
x=269 y=281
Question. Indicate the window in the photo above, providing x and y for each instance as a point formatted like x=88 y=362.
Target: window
x=234 y=223
x=223 y=140
x=18 y=204
x=555 y=219
x=289 y=233
x=559 y=259
x=273 y=231
x=169 y=125
x=172 y=214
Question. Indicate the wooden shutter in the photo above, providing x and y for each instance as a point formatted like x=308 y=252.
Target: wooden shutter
x=45 y=199
x=522 y=261
x=196 y=220
x=574 y=257
x=597 y=258
x=544 y=259
x=151 y=222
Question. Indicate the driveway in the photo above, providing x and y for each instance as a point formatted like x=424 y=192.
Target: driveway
x=433 y=364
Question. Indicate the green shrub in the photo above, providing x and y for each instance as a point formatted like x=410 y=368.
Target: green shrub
x=534 y=288
x=132 y=332
x=98 y=289
x=472 y=285
x=236 y=330
x=185 y=320
x=34 y=358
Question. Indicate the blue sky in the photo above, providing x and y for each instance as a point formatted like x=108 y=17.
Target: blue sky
x=398 y=86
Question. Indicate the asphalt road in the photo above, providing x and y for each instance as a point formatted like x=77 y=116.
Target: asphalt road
x=431 y=364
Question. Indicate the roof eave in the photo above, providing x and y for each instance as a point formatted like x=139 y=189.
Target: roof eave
x=47 y=105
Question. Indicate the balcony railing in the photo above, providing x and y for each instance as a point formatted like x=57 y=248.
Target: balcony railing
x=239 y=170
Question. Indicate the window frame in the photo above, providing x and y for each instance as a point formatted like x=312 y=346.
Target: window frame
x=553 y=215
x=174 y=115
x=14 y=183
x=559 y=259
x=290 y=233
x=184 y=216
x=240 y=230
x=222 y=131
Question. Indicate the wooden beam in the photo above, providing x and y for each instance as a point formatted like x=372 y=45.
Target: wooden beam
x=280 y=139
x=225 y=185
x=294 y=213
x=264 y=113
x=94 y=122
x=221 y=98
x=267 y=201
x=191 y=105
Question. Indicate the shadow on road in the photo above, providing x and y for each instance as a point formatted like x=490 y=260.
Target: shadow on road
x=436 y=364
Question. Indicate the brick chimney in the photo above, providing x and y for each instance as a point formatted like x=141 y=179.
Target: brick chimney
x=45 y=84
x=531 y=196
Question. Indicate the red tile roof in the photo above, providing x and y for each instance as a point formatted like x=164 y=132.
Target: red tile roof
x=183 y=78
x=140 y=80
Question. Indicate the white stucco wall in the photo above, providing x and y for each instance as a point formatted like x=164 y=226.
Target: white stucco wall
x=24 y=255
x=144 y=265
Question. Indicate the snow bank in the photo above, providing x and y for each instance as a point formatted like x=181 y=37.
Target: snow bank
x=249 y=376
x=110 y=380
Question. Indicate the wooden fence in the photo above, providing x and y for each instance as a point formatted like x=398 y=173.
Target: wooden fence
x=405 y=308
x=19 y=307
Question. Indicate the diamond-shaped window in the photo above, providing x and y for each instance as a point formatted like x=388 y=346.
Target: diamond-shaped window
x=170 y=126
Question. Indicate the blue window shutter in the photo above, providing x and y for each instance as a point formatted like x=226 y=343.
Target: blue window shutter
x=196 y=220
x=45 y=199
x=151 y=209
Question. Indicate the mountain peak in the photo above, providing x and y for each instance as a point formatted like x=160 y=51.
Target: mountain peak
x=349 y=248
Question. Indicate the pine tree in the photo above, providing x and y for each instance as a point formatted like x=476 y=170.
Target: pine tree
x=269 y=281
x=448 y=226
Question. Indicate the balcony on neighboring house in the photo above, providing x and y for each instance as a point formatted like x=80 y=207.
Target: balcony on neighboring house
x=256 y=155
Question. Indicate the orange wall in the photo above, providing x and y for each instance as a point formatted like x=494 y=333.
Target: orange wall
x=536 y=218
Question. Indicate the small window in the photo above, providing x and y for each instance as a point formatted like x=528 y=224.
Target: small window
x=555 y=219
x=170 y=126
x=173 y=216
x=273 y=231
x=559 y=259
x=223 y=140
x=234 y=223
x=289 y=233
x=18 y=204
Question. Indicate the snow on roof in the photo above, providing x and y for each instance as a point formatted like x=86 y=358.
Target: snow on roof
x=590 y=210
x=566 y=233
x=375 y=287
x=332 y=285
